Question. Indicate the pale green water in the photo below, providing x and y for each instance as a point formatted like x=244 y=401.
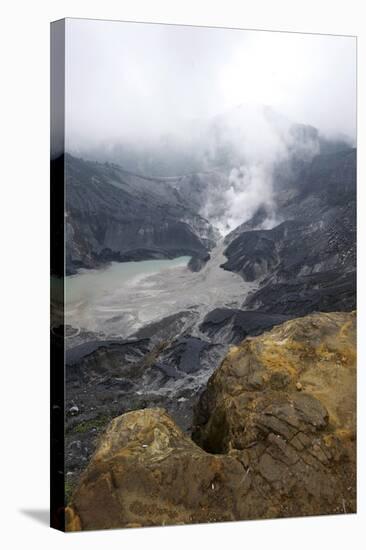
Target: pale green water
x=124 y=297
x=92 y=284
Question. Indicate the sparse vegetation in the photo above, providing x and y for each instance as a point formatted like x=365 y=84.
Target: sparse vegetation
x=98 y=423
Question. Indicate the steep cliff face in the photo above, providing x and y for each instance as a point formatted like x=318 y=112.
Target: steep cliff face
x=306 y=263
x=275 y=434
x=112 y=214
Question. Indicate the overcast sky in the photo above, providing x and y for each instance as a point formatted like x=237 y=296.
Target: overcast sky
x=133 y=80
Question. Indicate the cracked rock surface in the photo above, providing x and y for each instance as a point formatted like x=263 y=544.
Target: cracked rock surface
x=274 y=436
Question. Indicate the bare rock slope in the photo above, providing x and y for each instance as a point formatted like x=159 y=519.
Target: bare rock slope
x=308 y=262
x=113 y=215
x=274 y=437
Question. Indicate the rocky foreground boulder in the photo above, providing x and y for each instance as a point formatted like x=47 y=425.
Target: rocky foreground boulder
x=274 y=436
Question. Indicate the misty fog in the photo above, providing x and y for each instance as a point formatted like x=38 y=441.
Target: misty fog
x=166 y=100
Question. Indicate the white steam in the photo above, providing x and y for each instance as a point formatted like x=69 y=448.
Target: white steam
x=250 y=189
x=258 y=139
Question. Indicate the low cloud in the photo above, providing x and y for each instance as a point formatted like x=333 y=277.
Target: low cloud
x=171 y=100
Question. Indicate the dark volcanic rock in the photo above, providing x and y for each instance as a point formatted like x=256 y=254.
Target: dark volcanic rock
x=308 y=262
x=233 y=325
x=185 y=353
x=196 y=263
x=169 y=327
x=327 y=291
x=115 y=215
x=76 y=354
